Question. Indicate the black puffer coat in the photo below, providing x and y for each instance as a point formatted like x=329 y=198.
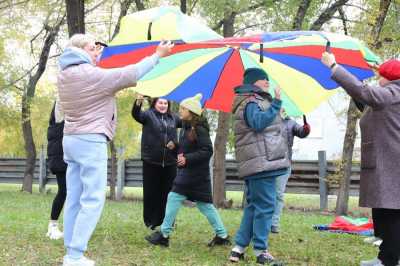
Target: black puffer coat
x=193 y=180
x=158 y=130
x=55 y=152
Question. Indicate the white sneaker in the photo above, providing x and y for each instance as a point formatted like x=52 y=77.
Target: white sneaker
x=374 y=262
x=53 y=232
x=371 y=240
x=83 y=261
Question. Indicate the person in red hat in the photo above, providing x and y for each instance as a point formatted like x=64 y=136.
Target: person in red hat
x=380 y=151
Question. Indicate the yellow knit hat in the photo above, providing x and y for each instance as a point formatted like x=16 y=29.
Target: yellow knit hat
x=193 y=104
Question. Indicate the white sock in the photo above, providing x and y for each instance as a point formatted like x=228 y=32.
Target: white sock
x=258 y=252
x=238 y=249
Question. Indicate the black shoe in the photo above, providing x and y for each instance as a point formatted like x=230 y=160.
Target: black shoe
x=275 y=229
x=236 y=256
x=157 y=238
x=219 y=241
x=265 y=258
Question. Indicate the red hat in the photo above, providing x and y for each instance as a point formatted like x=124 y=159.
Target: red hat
x=390 y=70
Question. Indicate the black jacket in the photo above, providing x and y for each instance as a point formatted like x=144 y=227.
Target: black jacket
x=158 y=130
x=193 y=180
x=54 y=145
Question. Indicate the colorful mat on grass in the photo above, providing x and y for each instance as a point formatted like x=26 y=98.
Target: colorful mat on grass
x=348 y=225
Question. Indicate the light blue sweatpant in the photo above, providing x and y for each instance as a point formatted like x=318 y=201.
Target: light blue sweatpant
x=281 y=182
x=86 y=156
x=174 y=203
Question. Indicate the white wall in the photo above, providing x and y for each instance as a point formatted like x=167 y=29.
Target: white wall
x=328 y=126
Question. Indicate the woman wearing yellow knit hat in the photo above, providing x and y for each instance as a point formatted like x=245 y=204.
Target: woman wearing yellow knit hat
x=193 y=178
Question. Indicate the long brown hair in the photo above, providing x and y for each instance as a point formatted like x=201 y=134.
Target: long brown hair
x=194 y=122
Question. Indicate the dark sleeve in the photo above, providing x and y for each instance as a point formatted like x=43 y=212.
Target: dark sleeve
x=374 y=96
x=52 y=119
x=137 y=113
x=204 y=151
x=360 y=106
x=299 y=130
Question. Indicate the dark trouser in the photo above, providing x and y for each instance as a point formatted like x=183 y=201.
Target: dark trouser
x=387 y=221
x=59 y=200
x=157 y=183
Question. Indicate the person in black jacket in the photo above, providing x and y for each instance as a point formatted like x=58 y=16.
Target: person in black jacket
x=193 y=179
x=158 y=155
x=57 y=166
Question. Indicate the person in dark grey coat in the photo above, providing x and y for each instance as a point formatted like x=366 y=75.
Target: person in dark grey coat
x=380 y=151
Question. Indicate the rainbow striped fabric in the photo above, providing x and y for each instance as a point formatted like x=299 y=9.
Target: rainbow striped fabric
x=214 y=66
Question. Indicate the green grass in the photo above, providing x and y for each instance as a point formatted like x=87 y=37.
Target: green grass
x=119 y=236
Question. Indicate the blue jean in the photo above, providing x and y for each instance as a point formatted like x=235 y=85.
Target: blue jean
x=281 y=182
x=86 y=156
x=257 y=215
x=174 y=203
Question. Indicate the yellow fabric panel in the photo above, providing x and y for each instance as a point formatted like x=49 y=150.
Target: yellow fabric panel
x=167 y=82
x=306 y=92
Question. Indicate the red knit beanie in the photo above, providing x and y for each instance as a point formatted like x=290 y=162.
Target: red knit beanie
x=390 y=70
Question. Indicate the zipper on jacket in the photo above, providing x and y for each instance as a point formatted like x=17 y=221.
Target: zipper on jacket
x=165 y=139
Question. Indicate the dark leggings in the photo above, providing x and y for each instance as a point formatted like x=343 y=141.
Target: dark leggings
x=59 y=200
x=387 y=221
x=157 y=183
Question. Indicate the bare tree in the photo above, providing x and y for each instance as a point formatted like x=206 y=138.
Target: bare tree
x=27 y=96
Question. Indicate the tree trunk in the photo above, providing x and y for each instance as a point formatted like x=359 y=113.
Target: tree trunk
x=139 y=5
x=219 y=175
x=113 y=176
x=30 y=148
x=347 y=159
x=300 y=15
x=75 y=16
x=183 y=6
x=27 y=96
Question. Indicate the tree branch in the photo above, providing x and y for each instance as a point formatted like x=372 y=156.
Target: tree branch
x=327 y=14
x=379 y=21
x=192 y=7
x=123 y=11
x=90 y=10
x=343 y=17
x=301 y=13
x=11 y=4
x=52 y=32
x=248 y=27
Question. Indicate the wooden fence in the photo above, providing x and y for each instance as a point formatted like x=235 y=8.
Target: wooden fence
x=308 y=177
